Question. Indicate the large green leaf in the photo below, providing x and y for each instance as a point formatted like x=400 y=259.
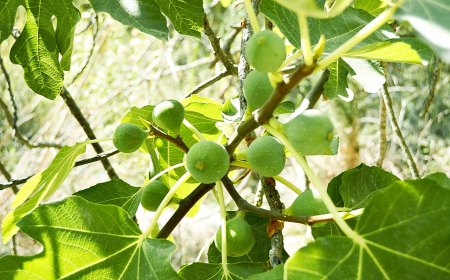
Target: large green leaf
x=43 y=51
x=41 y=186
x=83 y=240
x=261 y=248
x=274 y=274
x=186 y=16
x=144 y=15
x=114 y=192
x=440 y=178
x=430 y=19
x=403 y=234
x=373 y=7
x=214 y=271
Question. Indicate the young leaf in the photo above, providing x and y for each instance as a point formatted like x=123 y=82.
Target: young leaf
x=86 y=240
x=114 y=192
x=142 y=15
x=39 y=47
x=214 y=271
x=186 y=16
x=404 y=235
x=430 y=20
x=40 y=187
x=337 y=83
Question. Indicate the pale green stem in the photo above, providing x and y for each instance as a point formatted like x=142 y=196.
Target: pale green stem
x=365 y=32
x=319 y=186
x=178 y=165
x=97 y=140
x=291 y=58
x=218 y=193
x=194 y=130
x=280 y=179
x=304 y=39
x=252 y=15
x=164 y=203
x=288 y=184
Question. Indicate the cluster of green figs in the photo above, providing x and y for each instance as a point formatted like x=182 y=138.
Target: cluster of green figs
x=310 y=133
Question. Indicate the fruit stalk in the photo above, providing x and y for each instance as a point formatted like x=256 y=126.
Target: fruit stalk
x=218 y=193
x=304 y=39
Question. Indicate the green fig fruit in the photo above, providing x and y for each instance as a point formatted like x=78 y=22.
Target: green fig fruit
x=266 y=156
x=266 y=51
x=257 y=89
x=240 y=238
x=128 y=137
x=169 y=114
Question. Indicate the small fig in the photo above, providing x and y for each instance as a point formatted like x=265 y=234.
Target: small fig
x=257 y=89
x=207 y=161
x=153 y=194
x=266 y=156
x=307 y=205
x=169 y=114
x=240 y=238
x=128 y=137
x=266 y=51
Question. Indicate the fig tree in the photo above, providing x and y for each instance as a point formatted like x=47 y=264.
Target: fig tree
x=128 y=137
x=153 y=194
x=240 y=237
x=257 y=89
x=169 y=114
x=311 y=133
x=266 y=51
x=307 y=205
x=207 y=161
x=266 y=156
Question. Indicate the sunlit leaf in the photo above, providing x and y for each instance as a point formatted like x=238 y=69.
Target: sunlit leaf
x=41 y=186
x=214 y=271
x=83 y=240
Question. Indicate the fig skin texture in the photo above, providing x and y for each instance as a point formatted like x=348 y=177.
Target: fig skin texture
x=311 y=133
x=240 y=238
x=266 y=51
x=266 y=156
x=169 y=115
x=306 y=205
x=257 y=89
x=153 y=194
x=128 y=137
x=207 y=161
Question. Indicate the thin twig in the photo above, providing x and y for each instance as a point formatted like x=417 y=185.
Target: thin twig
x=396 y=128
x=76 y=112
x=207 y=83
x=99 y=157
x=94 y=23
x=154 y=131
x=228 y=43
x=12 y=118
x=382 y=141
x=218 y=51
x=432 y=88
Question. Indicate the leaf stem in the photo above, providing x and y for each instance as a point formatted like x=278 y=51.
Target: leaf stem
x=362 y=34
x=318 y=184
x=164 y=203
x=304 y=39
x=194 y=130
x=218 y=193
x=252 y=15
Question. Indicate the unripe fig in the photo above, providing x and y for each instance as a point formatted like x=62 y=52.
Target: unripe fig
x=207 y=161
x=257 y=89
x=266 y=156
x=240 y=237
x=311 y=133
x=153 y=194
x=169 y=114
x=128 y=137
x=266 y=51
x=307 y=205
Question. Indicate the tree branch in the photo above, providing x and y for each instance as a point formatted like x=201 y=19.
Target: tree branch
x=215 y=43
x=382 y=146
x=396 y=128
x=99 y=157
x=76 y=112
x=154 y=131
x=432 y=88
x=185 y=205
x=265 y=112
x=207 y=83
